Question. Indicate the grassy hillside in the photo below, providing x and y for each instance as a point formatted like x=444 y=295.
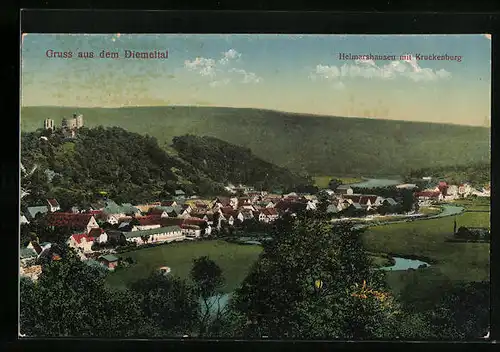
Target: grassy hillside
x=317 y=144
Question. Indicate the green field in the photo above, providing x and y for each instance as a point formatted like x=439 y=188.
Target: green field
x=427 y=239
x=429 y=210
x=318 y=145
x=235 y=261
x=322 y=181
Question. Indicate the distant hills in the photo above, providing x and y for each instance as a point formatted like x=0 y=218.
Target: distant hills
x=317 y=145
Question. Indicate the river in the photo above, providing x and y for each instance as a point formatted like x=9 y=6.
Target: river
x=404 y=264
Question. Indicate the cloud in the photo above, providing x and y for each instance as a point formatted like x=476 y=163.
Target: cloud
x=248 y=77
x=409 y=69
x=205 y=67
x=213 y=68
x=229 y=55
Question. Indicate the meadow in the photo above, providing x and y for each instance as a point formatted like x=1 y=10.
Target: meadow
x=323 y=181
x=427 y=240
x=235 y=261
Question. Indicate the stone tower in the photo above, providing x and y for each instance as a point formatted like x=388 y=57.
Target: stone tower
x=48 y=124
x=78 y=120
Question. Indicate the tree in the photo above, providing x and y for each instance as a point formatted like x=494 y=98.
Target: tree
x=408 y=200
x=323 y=203
x=70 y=300
x=280 y=297
x=462 y=313
x=169 y=301
x=208 y=281
x=334 y=184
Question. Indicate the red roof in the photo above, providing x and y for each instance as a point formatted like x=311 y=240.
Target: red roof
x=156 y=211
x=53 y=202
x=187 y=226
x=194 y=221
x=149 y=220
x=95 y=212
x=365 y=199
x=171 y=221
x=68 y=219
x=269 y=211
x=78 y=238
x=168 y=203
x=224 y=201
x=227 y=210
x=96 y=232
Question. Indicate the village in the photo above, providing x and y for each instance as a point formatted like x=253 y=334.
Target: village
x=97 y=231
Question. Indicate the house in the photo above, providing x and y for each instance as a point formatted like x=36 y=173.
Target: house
x=53 y=205
x=228 y=218
x=482 y=193
x=344 y=189
x=112 y=219
x=221 y=202
x=148 y=222
x=427 y=178
x=113 y=235
x=442 y=187
x=191 y=231
x=332 y=209
x=473 y=233
x=329 y=192
x=169 y=203
x=159 y=212
x=78 y=222
x=311 y=205
x=40 y=209
x=109 y=260
x=143 y=208
x=425 y=197
x=352 y=198
x=39 y=248
x=389 y=202
x=451 y=192
x=270 y=214
x=464 y=190
x=99 y=235
x=118 y=211
x=247 y=213
x=23 y=220
x=160 y=234
x=81 y=242
x=230 y=212
x=125 y=226
x=27 y=254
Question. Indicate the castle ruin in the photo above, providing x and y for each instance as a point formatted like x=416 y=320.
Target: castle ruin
x=68 y=126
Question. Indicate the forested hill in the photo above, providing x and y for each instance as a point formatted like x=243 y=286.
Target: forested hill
x=226 y=162
x=131 y=167
x=319 y=145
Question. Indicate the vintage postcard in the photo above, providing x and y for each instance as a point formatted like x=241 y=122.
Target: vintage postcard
x=255 y=186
